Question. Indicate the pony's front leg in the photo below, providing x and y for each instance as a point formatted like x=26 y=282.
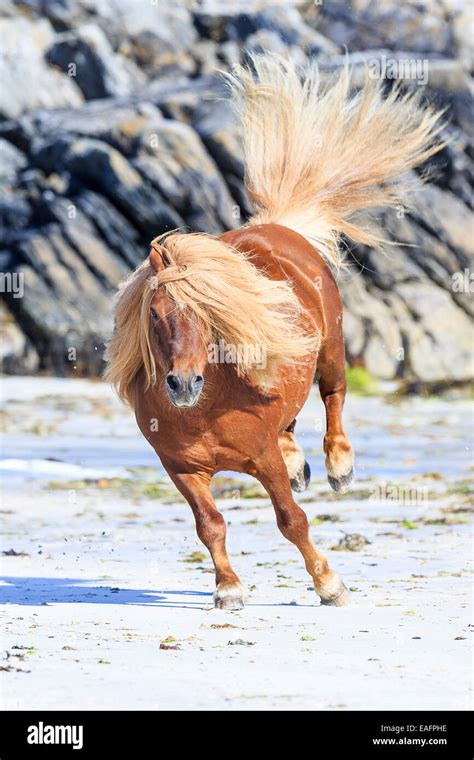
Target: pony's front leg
x=211 y=529
x=293 y=523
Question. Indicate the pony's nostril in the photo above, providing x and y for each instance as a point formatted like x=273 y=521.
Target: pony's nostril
x=173 y=382
x=195 y=383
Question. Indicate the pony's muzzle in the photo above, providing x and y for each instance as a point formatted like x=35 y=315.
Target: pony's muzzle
x=184 y=390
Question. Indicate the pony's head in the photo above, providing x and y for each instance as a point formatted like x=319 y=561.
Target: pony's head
x=195 y=293
x=178 y=337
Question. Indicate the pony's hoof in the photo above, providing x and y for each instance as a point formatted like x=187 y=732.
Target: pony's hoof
x=343 y=599
x=301 y=482
x=342 y=484
x=229 y=596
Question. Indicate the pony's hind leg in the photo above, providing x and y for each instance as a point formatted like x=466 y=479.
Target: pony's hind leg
x=297 y=467
x=211 y=529
x=337 y=448
x=293 y=523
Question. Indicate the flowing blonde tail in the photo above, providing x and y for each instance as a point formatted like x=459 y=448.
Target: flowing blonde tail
x=317 y=156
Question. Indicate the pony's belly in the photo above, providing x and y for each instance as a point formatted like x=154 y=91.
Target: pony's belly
x=234 y=462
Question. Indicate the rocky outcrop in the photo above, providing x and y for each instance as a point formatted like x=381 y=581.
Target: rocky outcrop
x=113 y=128
x=28 y=83
x=99 y=72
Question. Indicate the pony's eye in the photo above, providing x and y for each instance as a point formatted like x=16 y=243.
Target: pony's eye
x=153 y=314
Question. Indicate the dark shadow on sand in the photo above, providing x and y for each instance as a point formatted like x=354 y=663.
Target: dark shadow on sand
x=37 y=592
x=43 y=591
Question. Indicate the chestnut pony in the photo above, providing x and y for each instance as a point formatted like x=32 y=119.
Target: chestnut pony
x=217 y=339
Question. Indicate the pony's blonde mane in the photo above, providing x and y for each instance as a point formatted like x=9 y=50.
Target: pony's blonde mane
x=227 y=296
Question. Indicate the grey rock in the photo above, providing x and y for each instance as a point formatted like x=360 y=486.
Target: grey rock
x=440 y=250
x=63 y=306
x=289 y=25
x=173 y=159
x=205 y=54
x=59 y=265
x=157 y=52
x=242 y=209
x=283 y=23
x=354 y=336
x=181 y=99
x=87 y=57
x=63 y=14
x=112 y=120
x=15 y=214
x=212 y=24
x=230 y=53
x=128 y=19
x=11 y=161
x=267 y=39
x=420 y=27
x=17 y=353
x=97 y=164
x=448 y=219
x=440 y=334
x=121 y=237
x=216 y=125
x=452 y=169
x=380 y=348
x=32 y=83
x=446 y=75
x=158 y=36
x=81 y=235
x=7 y=9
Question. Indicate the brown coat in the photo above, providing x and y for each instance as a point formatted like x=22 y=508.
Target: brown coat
x=236 y=427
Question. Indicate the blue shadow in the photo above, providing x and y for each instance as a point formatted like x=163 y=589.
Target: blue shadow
x=38 y=592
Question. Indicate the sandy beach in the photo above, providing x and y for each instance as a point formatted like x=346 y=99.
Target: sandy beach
x=106 y=592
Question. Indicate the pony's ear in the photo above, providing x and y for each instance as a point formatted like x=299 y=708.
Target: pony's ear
x=157 y=257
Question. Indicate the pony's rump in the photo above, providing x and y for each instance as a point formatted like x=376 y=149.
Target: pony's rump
x=316 y=156
x=229 y=298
